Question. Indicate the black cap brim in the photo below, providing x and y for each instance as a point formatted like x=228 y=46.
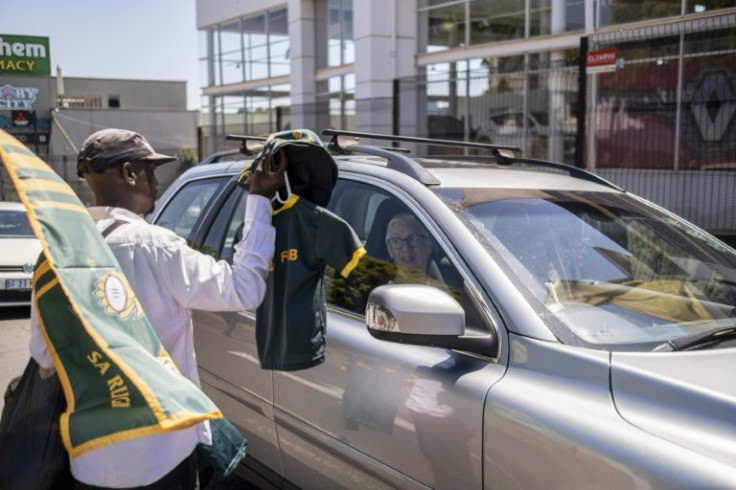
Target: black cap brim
x=160 y=159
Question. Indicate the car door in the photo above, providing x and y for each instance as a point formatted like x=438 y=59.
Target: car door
x=378 y=414
x=225 y=341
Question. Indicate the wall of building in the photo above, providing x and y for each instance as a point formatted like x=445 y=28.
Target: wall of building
x=481 y=71
x=133 y=94
x=156 y=109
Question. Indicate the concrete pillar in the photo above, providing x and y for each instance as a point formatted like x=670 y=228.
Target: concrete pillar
x=303 y=64
x=385 y=33
x=556 y=85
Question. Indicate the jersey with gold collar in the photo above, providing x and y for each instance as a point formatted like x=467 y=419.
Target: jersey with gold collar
x=290 y=322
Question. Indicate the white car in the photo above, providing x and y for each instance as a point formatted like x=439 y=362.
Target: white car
x=19 y=251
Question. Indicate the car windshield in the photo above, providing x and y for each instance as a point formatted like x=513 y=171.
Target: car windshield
x=14 y=224
x=604 y=269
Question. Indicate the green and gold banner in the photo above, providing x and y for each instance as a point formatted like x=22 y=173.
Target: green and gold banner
x=118 y=380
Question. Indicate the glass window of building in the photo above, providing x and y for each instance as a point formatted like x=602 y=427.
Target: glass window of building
x=246 y=49
x=700 y=6
x=617 y=12
x=499 y=21
x=624 y=11
x=206 y=56
x=569 y=16
x=341 y=49
x=230 y=54
x=441 y=27
x=336 y=102
x=334 y=33
x=256 y=112
x=278 y=43
x=255 y=47
x=446 y=25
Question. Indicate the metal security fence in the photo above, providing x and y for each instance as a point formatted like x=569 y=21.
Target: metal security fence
x=531 y=106
x=671 y=102
x=665 y=120
x=662 y=124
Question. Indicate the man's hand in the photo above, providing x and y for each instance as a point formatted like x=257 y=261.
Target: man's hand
x=265 y=182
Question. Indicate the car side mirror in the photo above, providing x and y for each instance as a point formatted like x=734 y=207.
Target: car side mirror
x=424 y=315
x=413 y=309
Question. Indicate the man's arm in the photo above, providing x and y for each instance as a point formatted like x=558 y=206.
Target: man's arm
x=202 y=283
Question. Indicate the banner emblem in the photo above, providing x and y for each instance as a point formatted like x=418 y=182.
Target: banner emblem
x=117 y=297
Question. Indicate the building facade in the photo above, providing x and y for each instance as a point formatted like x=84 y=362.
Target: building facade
x=641 y=92
x=274 y=65
x=53 y=115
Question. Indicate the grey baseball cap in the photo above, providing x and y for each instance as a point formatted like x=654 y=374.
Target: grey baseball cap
x=110 y=147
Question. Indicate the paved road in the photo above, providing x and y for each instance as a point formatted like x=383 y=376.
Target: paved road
x=15 y=331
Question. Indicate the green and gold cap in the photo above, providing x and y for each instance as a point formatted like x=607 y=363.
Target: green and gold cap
x=312 y=172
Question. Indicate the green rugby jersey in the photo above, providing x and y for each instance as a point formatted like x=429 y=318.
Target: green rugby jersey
x=290 y=322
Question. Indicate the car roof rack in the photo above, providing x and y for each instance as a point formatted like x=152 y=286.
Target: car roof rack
x=349 y=141
x=572 y=171
x=346 y=141
x=250 y=145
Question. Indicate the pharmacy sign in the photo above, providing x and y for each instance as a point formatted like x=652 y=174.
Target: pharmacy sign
x=24 y=55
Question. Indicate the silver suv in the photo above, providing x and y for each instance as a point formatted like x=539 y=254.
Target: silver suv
x=571 y=335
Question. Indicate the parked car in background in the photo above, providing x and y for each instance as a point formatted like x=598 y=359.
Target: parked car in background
x=19 y=251
x=571 y=335
x=508 y=128
x=446 y=127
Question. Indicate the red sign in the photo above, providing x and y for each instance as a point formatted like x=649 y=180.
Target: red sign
x=23 y=119
x=603 y=60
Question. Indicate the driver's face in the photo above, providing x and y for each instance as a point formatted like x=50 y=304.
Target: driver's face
x=409 y=245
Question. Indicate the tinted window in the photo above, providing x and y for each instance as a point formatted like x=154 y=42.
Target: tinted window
x=186 y=207
x=227 y=229
x=399 y=248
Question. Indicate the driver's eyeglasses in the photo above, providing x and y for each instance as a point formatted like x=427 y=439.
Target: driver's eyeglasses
x=413 y=241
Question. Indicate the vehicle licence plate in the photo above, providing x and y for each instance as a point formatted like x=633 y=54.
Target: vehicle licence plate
x=17 y=284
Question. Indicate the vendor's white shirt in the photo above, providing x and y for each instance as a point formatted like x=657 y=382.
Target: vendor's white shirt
x=170 y=279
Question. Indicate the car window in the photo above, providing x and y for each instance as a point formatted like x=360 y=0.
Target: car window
x=396 y=243
x=603 y=269
x=227 y=228
x=15 y=224
x=185 y=208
